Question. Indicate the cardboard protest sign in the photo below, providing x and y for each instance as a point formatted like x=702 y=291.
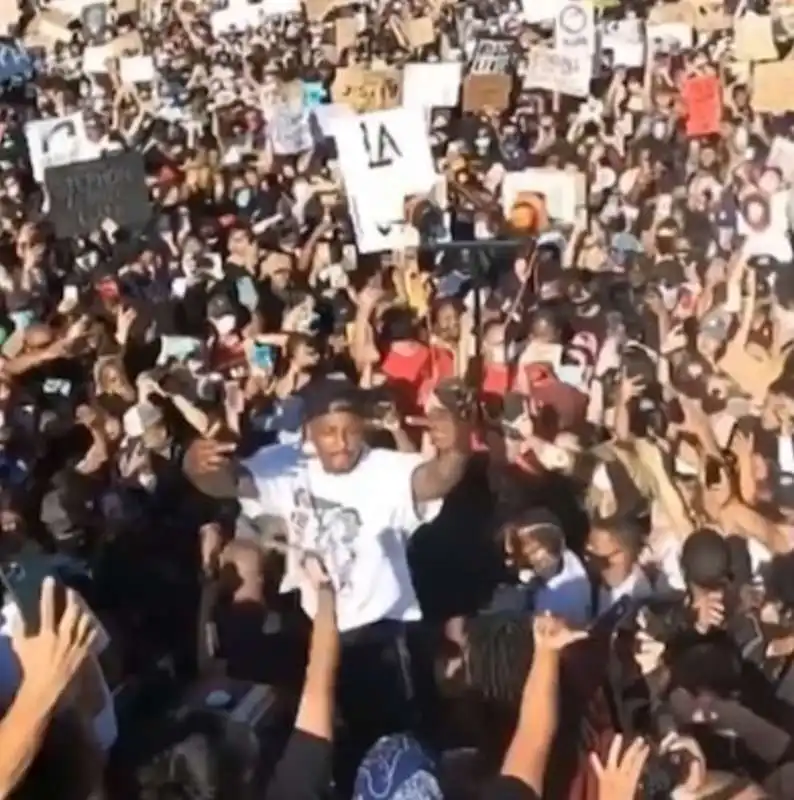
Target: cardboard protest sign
x=710 y=15
x=432 y=85
x=702 y=96
x=753 y=38
x=672 y=12
x=16 y=63
x=48 y=28
x=83 y=195
x=384 y=157
x=318 y=10
x=9 y=17
x=420 y=31
x=486 y=92
x=345 y=33
x=55 y=142
x=365 y=89
x=772 y=87
x=126 y=7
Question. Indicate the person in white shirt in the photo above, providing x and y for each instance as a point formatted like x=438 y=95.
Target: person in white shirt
x=355 y=507
x=612 y=554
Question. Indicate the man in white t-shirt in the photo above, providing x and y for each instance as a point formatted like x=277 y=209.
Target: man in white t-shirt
x=356 y=507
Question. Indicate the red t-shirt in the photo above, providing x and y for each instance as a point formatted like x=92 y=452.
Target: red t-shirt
x=495 y=380
x=442 y=362
x=406 y=369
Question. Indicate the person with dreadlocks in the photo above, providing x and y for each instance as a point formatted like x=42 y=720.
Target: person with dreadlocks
x=481 y=667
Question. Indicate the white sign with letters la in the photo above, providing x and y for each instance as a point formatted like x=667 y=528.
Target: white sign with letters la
x=56 y=142
x=384 y=157
x=557 y=72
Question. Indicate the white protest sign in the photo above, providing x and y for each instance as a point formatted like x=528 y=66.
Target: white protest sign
x=431 y=85
x=574 y=28
x=137 y=69
x=326 y=116
x=71 y=7
x=625 y=39
x=95 y=57
x=384 y=156
x=274 y=8
x=562 y=190
x=557 y=72
x=535 y=12
x=575 y=35
x=667 y=36
x=56 y=142
x=290 y=130
x=781 y=156
x=236 y=18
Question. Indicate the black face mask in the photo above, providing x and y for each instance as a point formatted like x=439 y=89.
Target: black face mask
x=665 y=245
x=713 y=404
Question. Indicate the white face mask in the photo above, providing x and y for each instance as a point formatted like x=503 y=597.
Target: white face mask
x=225 y=324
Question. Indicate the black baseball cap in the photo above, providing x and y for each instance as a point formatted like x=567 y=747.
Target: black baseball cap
x=706 y=559
x=329 y=394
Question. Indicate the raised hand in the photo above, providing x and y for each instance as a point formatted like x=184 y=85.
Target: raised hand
x=619 y=778
x=51 y=657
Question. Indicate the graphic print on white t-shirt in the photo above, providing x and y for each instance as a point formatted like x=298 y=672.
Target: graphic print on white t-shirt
x=357 y=522
x=329 y=529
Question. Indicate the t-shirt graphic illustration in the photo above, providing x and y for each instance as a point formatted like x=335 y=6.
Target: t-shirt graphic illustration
x=330 y=530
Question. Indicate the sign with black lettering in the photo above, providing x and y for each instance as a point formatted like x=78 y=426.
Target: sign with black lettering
x=84 y=195
x=385 y=157
x=492 y=56
x=55 y=142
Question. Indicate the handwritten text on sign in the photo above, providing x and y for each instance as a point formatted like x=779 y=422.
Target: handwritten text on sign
x=556 y=72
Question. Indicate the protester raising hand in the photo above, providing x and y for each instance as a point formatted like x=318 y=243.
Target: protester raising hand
x=553 y=635
x=49 y=660
x=619 y=778
x=51 y=657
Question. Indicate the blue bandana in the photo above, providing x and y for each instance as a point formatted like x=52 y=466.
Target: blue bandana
x=397 y=768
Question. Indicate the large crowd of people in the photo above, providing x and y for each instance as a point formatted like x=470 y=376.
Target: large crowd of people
x=396 y=400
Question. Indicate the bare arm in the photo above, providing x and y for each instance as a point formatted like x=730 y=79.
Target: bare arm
x=316 y=709
x=22 y=730
x=528 y=753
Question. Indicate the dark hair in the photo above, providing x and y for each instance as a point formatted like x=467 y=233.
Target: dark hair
x=398 y=324
x=778 y=575
x=626 y=529
x=499 y=657
x=191 y=763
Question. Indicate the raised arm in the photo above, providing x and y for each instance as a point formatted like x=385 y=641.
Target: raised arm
x=436 y=478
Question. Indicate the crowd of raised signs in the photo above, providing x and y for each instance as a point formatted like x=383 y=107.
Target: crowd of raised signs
x=403 y=391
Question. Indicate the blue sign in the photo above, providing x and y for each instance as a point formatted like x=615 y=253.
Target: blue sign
x=314 y=94
x=16 y=64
